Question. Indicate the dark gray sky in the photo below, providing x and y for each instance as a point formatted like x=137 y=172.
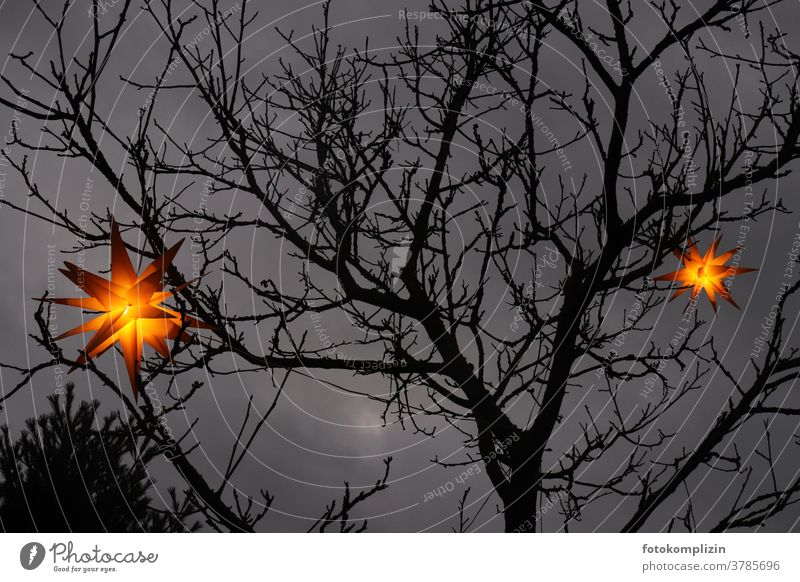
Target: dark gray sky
x=318 y=436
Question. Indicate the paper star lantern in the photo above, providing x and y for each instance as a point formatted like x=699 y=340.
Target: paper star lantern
x=704 y=273
x=129 y=306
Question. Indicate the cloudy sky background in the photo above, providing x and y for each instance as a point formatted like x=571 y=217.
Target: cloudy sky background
x=319 y=437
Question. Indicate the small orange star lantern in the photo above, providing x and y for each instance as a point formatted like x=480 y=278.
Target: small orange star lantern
x=129 y=306
x=704 y=273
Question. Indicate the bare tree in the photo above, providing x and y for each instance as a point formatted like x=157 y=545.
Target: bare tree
x=435 y=233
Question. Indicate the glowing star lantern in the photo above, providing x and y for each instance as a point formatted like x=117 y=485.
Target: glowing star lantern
x=705 y=273
x=129 y=308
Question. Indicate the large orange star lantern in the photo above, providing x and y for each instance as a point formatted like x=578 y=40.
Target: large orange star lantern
x=704 y=273
x=129 y=306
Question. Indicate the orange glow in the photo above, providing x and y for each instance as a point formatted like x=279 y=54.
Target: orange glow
x=129 y=306
x=705 y=273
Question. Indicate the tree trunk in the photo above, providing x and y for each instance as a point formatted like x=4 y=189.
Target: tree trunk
x=521 y=500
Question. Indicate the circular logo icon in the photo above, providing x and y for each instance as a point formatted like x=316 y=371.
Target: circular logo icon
x=31 y=555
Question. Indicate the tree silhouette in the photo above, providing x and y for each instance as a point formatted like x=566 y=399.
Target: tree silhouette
x=429 y=227
x=71 y=471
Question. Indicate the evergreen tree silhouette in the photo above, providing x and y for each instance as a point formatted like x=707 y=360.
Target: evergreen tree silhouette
x=69 y=470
